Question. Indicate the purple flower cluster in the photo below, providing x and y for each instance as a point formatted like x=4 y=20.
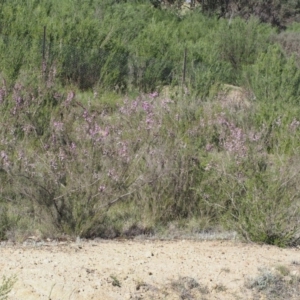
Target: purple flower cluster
x=87 y=117
x=130 y=107
x=18 y=99
x=73 y=147
x=96 y=133
x=53 y=164
x=58 y=126
x=113 y=175
x=61 y=154
x=101 y=189
x=294 y=125
x=4 y=159
x=232 y=137
x=123 y=151
x=153 y=95
x=147 y=107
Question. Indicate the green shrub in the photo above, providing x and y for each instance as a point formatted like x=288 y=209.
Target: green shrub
x=274 y=77
x=124 y=46
x=263 y=203
x=239 y=42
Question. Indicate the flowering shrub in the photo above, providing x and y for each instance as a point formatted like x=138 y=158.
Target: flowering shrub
x=153 y=160
x=77 y=163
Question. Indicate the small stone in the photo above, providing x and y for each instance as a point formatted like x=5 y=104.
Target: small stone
x=149 y=254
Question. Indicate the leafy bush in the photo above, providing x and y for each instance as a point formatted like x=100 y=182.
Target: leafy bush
x=289 y=41
x=124 y=46
x=262 y=203
x=274 y=77
x=240 y=42
x=85 y=161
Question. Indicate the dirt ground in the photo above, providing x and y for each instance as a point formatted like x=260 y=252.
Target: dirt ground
x=138 y=269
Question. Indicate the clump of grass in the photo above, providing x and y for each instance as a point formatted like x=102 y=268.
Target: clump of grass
x=115 y=281
x=144 y=286
x=220 y=288
x=140 y=284
x=188 y=288
x=279 y=285
x=225 y=270
x=262 y=281
x=6 y=286
x=283 y=270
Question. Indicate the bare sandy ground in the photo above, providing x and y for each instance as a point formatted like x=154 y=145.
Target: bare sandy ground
x=139 y=269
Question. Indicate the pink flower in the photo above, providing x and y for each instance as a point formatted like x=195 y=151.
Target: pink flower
x=73 y=146
x=4 y=157
x=58 y=126
x=153 y=95
x=105 y=132
x=146 y=106
x=101 y=188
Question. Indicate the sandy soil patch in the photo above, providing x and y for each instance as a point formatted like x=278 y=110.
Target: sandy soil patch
x=138 y=269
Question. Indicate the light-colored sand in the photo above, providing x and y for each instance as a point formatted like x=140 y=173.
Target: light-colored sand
x=144 y=269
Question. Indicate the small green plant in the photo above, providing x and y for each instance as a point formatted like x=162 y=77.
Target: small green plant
x=225 y=270
x=220 y=288
x=140 y=284
x=283 y=270
x=4 y=224
x=115 y=281
x=187 y=287
x=6 y=286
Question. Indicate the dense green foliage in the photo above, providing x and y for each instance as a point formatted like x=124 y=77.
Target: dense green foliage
x=100 y=136
x=124 y=46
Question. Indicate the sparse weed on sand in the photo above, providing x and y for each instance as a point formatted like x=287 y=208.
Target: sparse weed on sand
x=115 y=281
x=188 y=288
x=6 y=286
x=277 y=284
